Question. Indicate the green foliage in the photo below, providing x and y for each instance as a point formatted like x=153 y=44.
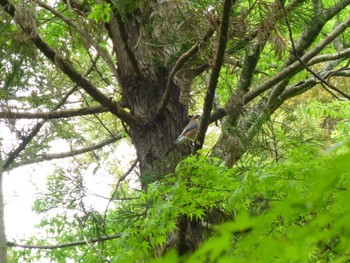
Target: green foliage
x=100 y=12
x=307 y=219
x=335 y=115
x=192 y=191
x=284 y=201
x=290 y=208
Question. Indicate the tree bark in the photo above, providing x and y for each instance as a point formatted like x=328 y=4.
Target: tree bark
x=143 y=84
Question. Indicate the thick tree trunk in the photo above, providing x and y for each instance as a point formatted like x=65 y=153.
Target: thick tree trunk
x=143 y=83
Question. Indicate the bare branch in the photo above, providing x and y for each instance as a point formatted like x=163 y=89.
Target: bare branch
x=53 y=114
x=65 y=245
x=214 y=76
x=329 y=57
x=52 y=156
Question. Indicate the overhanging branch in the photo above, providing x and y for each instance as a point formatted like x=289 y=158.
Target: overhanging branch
x=52 y=156
x=88 y=38
x=65 y=245
x=53 y=114
x=66 y=67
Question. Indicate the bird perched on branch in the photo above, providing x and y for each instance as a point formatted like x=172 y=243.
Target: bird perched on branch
x=189 y=133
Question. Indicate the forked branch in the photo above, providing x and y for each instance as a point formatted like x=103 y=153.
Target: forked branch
x=66 y=67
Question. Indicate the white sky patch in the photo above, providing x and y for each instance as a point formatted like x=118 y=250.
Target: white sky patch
x=19 y=192
x=24 y=184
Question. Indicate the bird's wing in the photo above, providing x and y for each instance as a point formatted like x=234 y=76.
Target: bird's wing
x=189 y=127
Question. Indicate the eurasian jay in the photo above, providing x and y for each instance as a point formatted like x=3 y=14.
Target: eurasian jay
x=190 y=131
x=188 y=134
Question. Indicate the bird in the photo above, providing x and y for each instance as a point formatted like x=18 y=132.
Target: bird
x=188 y=134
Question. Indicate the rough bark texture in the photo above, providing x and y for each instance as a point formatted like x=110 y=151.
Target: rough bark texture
x=143 y=84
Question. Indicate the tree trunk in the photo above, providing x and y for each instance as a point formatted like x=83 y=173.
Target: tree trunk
x=143 y=83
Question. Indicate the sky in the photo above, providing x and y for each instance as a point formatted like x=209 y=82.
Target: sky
x=24 y=184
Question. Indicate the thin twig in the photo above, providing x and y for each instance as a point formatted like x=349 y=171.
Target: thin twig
x=121 y=179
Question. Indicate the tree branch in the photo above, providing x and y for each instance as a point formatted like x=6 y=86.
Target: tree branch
x=65 y=245
x=209 y=97
x=53 y=114
x=296 y=67
x=317 y=76
x=121 y=179
x=329 y=57
x=52 y=156
x=178 y=65
x=307 y=37
x=303 y=86
x=129 y=52
x=14 y=153
x=88 y=38
x=66 y=67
